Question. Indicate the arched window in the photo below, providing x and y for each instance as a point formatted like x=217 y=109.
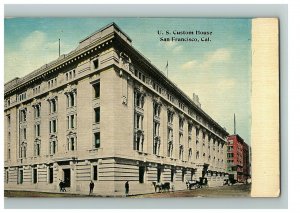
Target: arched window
x=156 y=146
x=181 y=152
x=139 y=142
x=170 y=149
x=37 y=148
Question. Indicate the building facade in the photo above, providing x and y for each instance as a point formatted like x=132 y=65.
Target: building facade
x=238 y=159
x=103 y=112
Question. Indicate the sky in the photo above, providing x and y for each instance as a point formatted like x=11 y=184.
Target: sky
x=218 y=71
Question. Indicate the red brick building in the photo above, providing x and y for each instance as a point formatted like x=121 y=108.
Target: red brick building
x=238 y=164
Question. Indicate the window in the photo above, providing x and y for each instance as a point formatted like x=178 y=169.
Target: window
x=181 y=123
x=53 y=147
x=180 y=138
x=139 y=99
x=52 y=126
x=24 y=134
x=138 y=121
x=190 y=154
x=197 y=155
x=170 y=98
x=156 y=146
x=7 y=102
x=156 y=109
x=170 y=134
x=230 y=155
x=23 y=115
x=139 y=142
x=190 y=128
x=181 y=152
x=95 y=172
x=181 y=106
x=156 y=129
x=170 y=117
x=37 y=111
x=8 y=153
x=170 y=149
x=34 y=175
x=8 y=121
x=37 y=130
x=71 y=99
x=97 y=114
x=53 y=106
x=37 y=148
x=22 y=96
x=52 y=82
x=71 y=121
x=96 y=88
x=72 y=144
x=23 y=150
x=141 y=174
x=96 y=64
x=97 y=140
x=50 y=174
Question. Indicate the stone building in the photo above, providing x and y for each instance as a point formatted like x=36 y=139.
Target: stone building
x=103 y=112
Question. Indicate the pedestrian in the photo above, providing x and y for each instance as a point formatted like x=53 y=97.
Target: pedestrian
x=91 y=187
x=61 y=186
x=126 y=188
x=64 y=186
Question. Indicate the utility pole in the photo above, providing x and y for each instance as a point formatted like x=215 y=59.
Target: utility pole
x=234 y=123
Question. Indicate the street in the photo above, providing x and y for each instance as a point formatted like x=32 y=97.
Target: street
x=239 y=190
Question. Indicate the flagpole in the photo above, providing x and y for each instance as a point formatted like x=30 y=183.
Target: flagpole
x=168 y=72
x=167 y=66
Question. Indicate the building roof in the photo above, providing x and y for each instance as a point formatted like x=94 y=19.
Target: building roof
x=84 y=43
x=239 y=138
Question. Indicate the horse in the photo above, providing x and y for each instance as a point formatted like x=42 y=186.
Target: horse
x=159 y=187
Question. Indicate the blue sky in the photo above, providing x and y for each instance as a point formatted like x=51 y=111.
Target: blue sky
x=219 y=71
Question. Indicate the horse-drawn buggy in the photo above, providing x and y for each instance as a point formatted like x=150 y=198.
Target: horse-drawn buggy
x=196 y=183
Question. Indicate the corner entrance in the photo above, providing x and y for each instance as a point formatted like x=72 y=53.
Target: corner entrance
x=67 y=177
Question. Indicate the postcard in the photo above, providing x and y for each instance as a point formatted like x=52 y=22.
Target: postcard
x=141 y=107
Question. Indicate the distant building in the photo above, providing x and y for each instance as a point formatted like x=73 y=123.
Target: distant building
x=103 y=112
x=238 y=159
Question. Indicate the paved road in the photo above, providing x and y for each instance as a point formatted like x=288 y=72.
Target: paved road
x=224 y=191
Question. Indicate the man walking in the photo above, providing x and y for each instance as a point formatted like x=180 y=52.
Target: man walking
x=61 y=186
x=91 y=187
x=126 y=188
